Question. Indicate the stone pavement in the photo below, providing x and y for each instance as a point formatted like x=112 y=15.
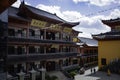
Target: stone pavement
x=97 y=76
x=59 y=74
x=2 y=76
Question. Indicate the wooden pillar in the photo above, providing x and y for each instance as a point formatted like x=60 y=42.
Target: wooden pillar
x=78 y=60
x=45 y=64
x=44 y=34
x=24 y=66
x=61 y=35
x=44 y=49
x=15 y=68
x=15 y=49
x=71 y=61
x=27 y=31
x=27 y=64
x=60 y=48
x=57 y=66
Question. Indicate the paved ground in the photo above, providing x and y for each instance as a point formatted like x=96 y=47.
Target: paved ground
x=2 y=76
x=59 y=74
x=97 y=76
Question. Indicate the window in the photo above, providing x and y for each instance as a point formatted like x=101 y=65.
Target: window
x=37 y=33
x=95 y=51
x=37 y=49
x=31 y=33
x=75 y=61
x=64 y=37
x=11 y=50
x=47 y=35
x=24 y=33
x=42 y=49
x=103 y=61
x=31 y=49
x=19 y=50
x=57 y=36
x=19 y=33
x=53 y=36
x=11 y=32
x=41 y=34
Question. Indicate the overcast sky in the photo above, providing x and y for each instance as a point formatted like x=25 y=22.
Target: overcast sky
x=88 y=12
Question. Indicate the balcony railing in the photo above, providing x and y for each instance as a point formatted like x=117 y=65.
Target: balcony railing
x=87 y=55
x=36 y=57
x=37 y=40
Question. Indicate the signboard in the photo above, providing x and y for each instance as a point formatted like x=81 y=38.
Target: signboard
x=67 y=30
x=54 y=46
x=75 y=40
x=55 y=27
x=38 y=23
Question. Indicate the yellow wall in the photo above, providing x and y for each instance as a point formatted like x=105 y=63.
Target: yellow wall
x=109 y=50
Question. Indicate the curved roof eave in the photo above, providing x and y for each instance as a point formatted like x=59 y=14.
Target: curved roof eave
x=50 y=16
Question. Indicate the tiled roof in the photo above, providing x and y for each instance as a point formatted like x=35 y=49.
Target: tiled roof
x=12 y=11
x=43 y=13
x=49 y=15
x=88 y=41
x=112 y=20
x=108 y=35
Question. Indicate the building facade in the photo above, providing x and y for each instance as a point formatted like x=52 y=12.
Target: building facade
x=38 y=39
x=109 y=43
x=88 y=52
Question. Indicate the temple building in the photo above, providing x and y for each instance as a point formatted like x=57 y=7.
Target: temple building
x=109 y=43
x=88 y=52
x=38 y=39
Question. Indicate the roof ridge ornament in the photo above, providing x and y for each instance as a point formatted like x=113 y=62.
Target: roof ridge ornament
x=55 y=14
x=22 y=1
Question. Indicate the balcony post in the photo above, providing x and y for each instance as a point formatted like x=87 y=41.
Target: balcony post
x=43 y=70
x=15 y=68
x=44 y=34
x=78 y=60
x=33 y=74
x=27 y=31
x=71 y=61
x=57 y=66
x=61 y=35
x=44 y=50
x=27 y=49
x=21 y=75
x=15 y=49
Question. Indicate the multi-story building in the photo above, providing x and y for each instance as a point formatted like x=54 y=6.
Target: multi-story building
x=109 y=43
x=88 y=52
x=38 y=39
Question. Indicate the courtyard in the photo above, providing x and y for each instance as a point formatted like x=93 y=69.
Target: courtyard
x=99 y=75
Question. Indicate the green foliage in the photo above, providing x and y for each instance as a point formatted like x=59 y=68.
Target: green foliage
x=54 y=77
x=113 y=66
x=47 y=77
x=72 y=74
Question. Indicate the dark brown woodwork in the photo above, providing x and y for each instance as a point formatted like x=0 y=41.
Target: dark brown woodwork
x=4 y=4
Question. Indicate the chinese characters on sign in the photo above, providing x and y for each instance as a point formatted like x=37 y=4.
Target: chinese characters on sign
x=38 y=23
x=42 y=24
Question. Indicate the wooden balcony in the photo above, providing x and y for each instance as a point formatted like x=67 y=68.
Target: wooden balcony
x=37 y=40
x=38 y=57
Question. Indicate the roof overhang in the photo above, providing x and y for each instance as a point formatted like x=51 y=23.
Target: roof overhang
x=111 y=23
